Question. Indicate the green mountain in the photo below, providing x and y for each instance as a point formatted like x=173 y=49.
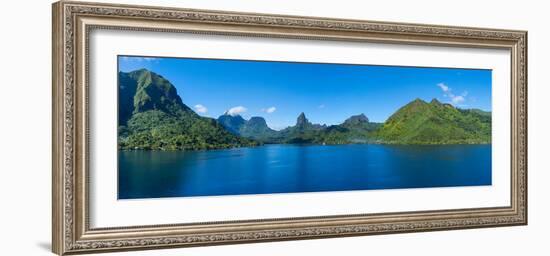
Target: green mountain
x=232 y=123
x=304 y=132
x=153 y=116
x=420 y=122
x=256 y=128
x=356 y=129
x=360 y=123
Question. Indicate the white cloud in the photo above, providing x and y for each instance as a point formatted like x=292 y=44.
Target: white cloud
x=201 y=109
x=269 y=110
x=321 y=106
x=457 y=99
x=443 y=87
x=236 y=110
x=447 y=92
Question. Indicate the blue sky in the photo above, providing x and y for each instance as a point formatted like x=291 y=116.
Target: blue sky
x=326 y=93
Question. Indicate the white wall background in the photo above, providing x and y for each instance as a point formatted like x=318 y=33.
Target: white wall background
x=25 y=115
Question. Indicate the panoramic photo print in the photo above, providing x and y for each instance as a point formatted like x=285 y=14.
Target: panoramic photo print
x=212 y=127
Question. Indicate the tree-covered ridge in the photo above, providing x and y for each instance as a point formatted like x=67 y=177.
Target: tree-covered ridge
x=420 y=122
x=152 y=116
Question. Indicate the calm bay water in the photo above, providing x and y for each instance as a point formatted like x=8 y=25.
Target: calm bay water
x=295 y=168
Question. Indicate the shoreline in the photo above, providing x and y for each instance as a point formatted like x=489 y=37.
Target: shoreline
x=311 y=144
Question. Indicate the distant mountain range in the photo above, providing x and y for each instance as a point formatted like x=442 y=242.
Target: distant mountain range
x=356 y=129
x=256 y=128
x=153 y=116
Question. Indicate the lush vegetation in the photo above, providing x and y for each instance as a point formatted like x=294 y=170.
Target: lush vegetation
x=155 y=118
x=152 y=116
x=420 y=122
x=356 y=129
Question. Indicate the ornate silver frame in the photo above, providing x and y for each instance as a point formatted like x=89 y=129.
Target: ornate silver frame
x=72 y=22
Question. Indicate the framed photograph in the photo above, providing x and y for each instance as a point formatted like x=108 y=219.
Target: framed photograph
x=179 y=127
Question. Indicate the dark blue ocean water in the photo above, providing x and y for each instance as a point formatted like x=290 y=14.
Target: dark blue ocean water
x=295 y=168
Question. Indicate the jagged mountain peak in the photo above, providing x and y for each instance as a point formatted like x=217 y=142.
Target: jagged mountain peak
x=435 y=102
x=419 y=100
x=302 y=120
x=357 y=119
x=143 y=90
x=234 y=116
x=232 y=123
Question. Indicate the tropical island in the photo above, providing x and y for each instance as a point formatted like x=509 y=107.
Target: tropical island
x=152 y=116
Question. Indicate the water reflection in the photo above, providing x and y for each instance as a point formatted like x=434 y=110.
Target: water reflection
x=295 y=168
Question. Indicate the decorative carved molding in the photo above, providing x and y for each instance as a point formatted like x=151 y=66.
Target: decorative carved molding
x=298 y=233
x=303 y=22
